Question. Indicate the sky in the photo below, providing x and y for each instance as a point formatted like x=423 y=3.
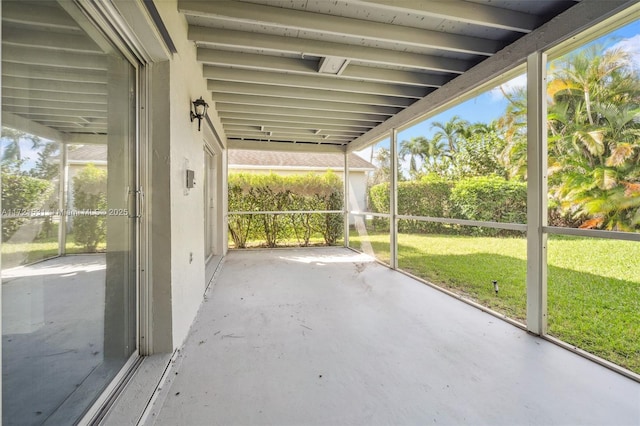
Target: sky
x=491 y=105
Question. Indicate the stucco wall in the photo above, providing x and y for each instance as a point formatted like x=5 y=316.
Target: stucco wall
x=186 y=83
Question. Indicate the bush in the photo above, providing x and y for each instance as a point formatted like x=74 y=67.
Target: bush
x=253 y=192
x=428 y=196
x=21 y=193
x=90 y=194
x=490 y=199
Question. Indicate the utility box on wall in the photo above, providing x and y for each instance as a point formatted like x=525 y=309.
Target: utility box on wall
x=190 y=179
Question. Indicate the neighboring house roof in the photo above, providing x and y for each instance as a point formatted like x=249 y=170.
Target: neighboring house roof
x=82 y=154
x=282 y=160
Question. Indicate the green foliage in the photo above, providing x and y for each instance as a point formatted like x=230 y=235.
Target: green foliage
x=20 y=193
x=90 y=195
x=594 y=138
x=479 y=154
x=481 y=198
x=490 y=199
x=44 y=167
x=257 y=193
x=428 y=196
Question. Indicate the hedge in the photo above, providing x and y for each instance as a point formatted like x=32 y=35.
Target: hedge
x=491 y=199
x=482 y=198
x=428 y=196
x=271 y=192
x=90 y=193
x=21 y=193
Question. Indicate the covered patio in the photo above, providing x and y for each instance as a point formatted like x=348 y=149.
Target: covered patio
x=328 y=336
x=200 y=334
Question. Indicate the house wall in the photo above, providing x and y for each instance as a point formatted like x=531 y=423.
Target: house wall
x=185 y=256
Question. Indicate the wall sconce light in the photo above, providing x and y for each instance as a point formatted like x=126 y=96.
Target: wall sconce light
x=199 y=110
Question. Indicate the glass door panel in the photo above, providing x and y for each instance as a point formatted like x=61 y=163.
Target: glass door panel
x=68 y=230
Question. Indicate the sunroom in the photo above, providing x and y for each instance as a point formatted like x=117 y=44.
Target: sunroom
x=489 y=257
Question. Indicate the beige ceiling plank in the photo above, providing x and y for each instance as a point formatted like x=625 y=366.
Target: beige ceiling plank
x=256 y=61
x=30 y=103
x=231 y=38
x=472 y=13
x=228 y=109
x=46 y=57
x=54 y=86
x=291 y=127
x=338 y=25
x=303 y=104
x=296 y=121
x=37 y=14
x=253 y=61
x=79 y=43
x=44 y=73
x=385 y=75
x=311 y=82
x=37 y=95
x=308 y=94
x=59 y=119
x=280 y=146
x=275 y=130
x=293 y=137
x=36 y=111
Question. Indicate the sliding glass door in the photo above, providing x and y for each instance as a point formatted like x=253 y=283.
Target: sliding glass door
x=69 y=291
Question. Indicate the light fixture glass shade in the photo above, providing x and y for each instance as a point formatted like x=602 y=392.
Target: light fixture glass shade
x=200 y=107
x=199 y=110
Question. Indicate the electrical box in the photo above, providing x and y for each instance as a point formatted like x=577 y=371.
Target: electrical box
x=190 y=179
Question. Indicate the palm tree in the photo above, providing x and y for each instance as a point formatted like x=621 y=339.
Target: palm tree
x=11 y=151
x=451 y=131
x=435 y=150
x=512 y=127
x=594 y=140
x=382 y=161
x=415 y=148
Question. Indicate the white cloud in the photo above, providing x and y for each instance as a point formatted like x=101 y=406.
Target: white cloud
x=508 y=87
x=631 y=45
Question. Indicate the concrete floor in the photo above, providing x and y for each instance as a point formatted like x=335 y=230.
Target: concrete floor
x=328 y=337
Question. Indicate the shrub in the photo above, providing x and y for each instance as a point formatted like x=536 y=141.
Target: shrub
x=428 y=196
x=90 y=194
x=21 y=193
x=491 y=199
x=254 y=192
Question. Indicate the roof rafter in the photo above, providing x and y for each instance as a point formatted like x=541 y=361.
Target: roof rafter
x=295 y=122
x=472 y=13
x=302 y=104
x=308 y=94
x=310 y=67
x=311 y=82
x=226 y=109
x=232 y=38
x=330 y=24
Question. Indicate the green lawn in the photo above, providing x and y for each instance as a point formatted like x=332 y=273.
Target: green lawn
x=16 y=254
x=593 y=284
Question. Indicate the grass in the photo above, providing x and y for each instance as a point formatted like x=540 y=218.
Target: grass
x=24 y=253
x=593 y=284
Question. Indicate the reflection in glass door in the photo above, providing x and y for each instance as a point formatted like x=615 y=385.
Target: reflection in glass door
x=209 y=196
x=68 y=229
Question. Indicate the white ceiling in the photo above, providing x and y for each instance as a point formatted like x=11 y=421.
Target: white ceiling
x=262 y=58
